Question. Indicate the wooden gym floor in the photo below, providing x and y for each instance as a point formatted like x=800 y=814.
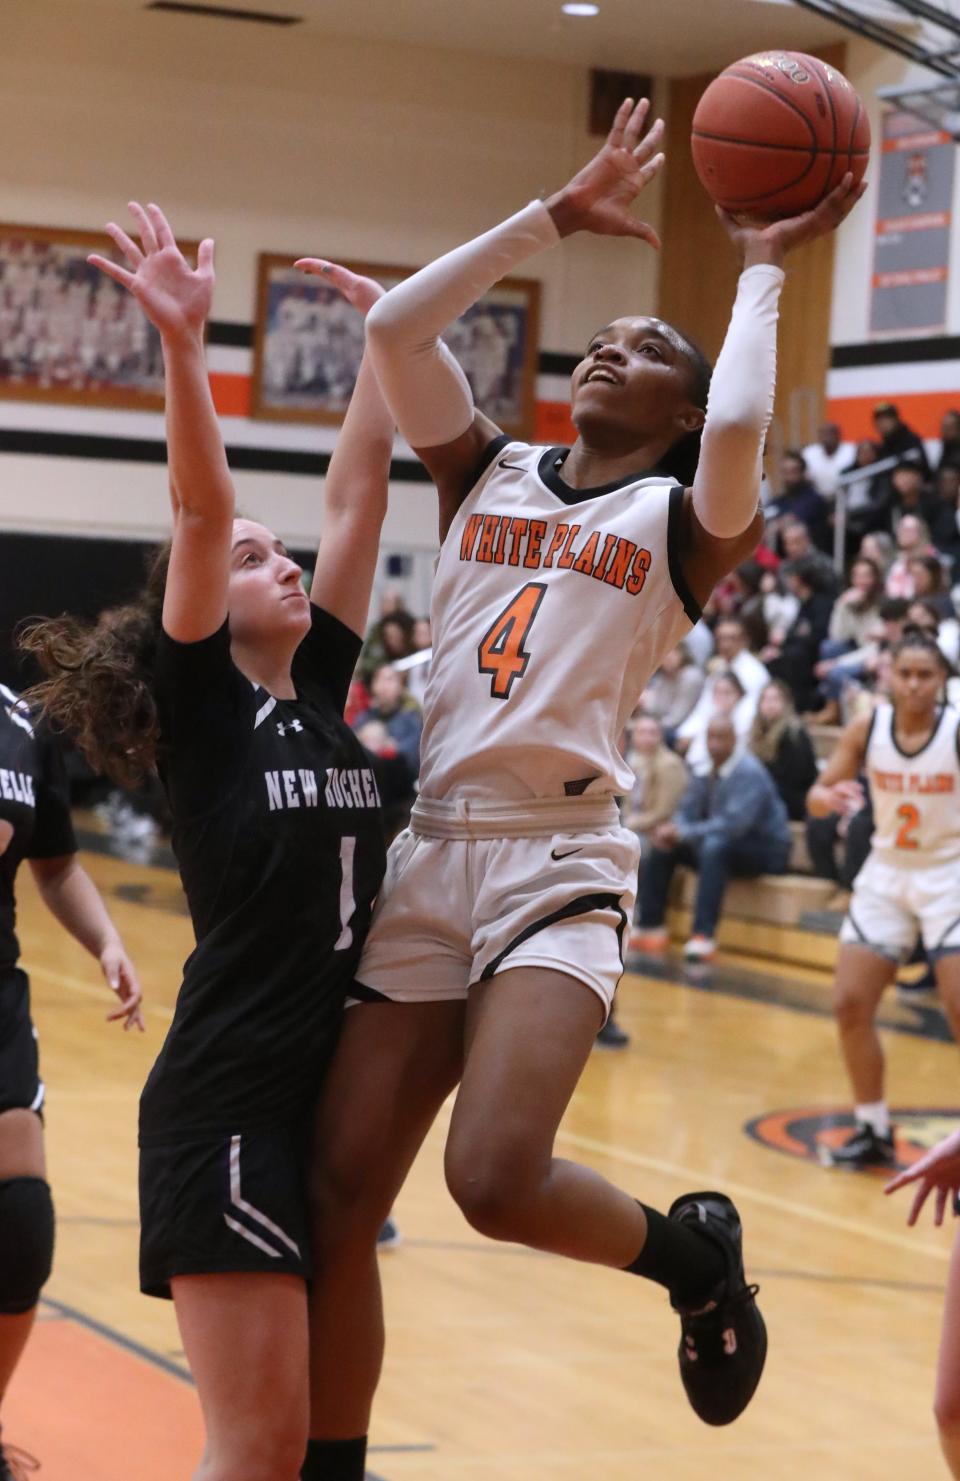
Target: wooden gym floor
x=505 y=1365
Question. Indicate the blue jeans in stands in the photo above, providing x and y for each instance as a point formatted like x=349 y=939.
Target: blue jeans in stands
x=715 y=859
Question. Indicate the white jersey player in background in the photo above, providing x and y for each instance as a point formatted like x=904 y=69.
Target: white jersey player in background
x=564 y=575
x=910 y=883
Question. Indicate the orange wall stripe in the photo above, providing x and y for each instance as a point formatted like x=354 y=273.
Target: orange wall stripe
x=231 y=393
x=552 y=423
x=921 y=410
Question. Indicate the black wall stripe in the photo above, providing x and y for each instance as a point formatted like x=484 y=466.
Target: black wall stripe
x=895 y=352
x=223 y=332
x=146 y=450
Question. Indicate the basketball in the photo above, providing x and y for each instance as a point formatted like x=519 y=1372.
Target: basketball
x=776 y=132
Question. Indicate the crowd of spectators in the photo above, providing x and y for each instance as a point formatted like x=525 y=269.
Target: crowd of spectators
x=720 y=743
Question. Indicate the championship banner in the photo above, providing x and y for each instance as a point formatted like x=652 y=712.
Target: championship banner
x=912 y=249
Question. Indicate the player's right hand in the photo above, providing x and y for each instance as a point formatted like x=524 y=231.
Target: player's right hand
x=361 y=292
x=175 y=297
x=937 y=1169
x=846 y=798
x=599 y=196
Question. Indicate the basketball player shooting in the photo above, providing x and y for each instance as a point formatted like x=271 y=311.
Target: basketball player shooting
x=564 y=576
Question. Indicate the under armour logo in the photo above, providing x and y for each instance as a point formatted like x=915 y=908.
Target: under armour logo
x=290 y=725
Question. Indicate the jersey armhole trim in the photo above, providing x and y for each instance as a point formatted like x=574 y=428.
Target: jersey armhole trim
x=691 y=606
x=483 y=463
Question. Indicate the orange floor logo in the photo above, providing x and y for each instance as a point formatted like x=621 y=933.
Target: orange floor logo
x=813 y=1131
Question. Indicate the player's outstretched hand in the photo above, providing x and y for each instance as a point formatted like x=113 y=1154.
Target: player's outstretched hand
x=361 y=292
x=937 y=1169
x=121 y=976
x=771 y=241
x=175 y=297
x=599 y=196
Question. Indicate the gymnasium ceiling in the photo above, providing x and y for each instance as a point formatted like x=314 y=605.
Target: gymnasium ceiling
x=665 y=37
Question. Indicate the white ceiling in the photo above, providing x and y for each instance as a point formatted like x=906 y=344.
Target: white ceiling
x=665 y=37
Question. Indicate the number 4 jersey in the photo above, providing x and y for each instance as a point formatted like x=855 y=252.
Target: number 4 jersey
x=552 y=606
x=916 y=798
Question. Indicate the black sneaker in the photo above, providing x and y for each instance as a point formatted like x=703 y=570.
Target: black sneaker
x=723 y=1343
x=16 y=1464
x=863 y=1148
x=612 y=1036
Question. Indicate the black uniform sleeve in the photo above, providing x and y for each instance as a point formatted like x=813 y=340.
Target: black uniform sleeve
x=204 y=705
x=324 y=663
x=53 y=835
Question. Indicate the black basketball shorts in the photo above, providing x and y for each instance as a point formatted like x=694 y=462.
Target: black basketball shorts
x=224 y=1204
x=20 y=1085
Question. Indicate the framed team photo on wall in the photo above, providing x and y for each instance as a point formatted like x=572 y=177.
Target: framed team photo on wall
x=68 y=333
x=308 y=344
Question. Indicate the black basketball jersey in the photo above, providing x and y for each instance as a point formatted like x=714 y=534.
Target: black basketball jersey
x=279 y=839
x=34 y=800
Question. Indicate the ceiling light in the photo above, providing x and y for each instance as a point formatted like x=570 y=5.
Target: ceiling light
x=574 y=7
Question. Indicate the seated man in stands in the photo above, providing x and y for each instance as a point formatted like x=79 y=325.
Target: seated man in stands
x=731 y=822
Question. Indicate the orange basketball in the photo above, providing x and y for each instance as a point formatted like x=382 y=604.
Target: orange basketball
x=775 y=132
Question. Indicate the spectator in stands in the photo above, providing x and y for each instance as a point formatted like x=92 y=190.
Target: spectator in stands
x=673 y=690
x=911 y=491
x=797 y=545
x=799 y=500
x=397 y=713
x=895 y=437
x=826 y=459
x=395 y=780
x=779 y=739
x=913 y=538
x=860 y=667
x=856 y=610
x=725 y=695
x=780 y=607
x=800 y=649
x=730 y=822
x=865 y=497
x=390 y=637
x=949 y=440
x=661 y=778
x=878 y=546
x=925 y=613
x=418 y=670
x=943 y=515
x=747 y=583
x=929 y=581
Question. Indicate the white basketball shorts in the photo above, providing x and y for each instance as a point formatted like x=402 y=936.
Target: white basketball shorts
x=892 y=906
x=454 y=912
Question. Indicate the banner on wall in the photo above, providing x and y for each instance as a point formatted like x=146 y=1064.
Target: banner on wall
x=911 y=260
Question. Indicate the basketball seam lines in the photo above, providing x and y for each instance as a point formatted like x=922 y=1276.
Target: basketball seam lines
x=765 y=87
x=790 y=148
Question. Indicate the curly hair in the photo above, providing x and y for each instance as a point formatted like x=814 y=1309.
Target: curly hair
x=98 y=684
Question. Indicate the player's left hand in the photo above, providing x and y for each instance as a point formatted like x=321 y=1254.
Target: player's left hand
x=769 y=242
x=361 y=292
x=121 y=975
x=937 y=1169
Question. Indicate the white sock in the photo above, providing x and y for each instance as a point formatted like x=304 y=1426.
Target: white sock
x=874 y=1114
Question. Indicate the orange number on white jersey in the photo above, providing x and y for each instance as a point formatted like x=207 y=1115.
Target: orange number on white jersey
x=910 y=817
x=501 y=654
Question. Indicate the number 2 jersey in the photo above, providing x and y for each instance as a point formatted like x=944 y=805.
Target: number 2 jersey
x=279 y=839
x=916 y=798
x=552 y=606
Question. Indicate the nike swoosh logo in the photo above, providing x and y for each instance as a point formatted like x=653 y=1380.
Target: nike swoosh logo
x=558 y=857
x=517 y=467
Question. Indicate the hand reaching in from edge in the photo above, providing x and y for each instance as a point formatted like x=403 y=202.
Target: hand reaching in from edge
x=175 y=297
x=769 y=242
x=362 y=293
x=937 y=1169
x=599 y=196
x=121 y=976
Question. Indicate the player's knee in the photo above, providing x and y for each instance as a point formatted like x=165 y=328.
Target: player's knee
x=491 y=1191
x=26 y=1242
x=851 y=1008
x=347 y=1195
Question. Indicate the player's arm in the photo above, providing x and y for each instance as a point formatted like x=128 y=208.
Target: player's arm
x=425 y=388
x=177 y=300
x=722 y=516
x=355 y=490
x=836 y=788
x=72 y=897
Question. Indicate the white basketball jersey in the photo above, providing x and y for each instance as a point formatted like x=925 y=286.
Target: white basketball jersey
x=551 y=608
x=916 y=799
